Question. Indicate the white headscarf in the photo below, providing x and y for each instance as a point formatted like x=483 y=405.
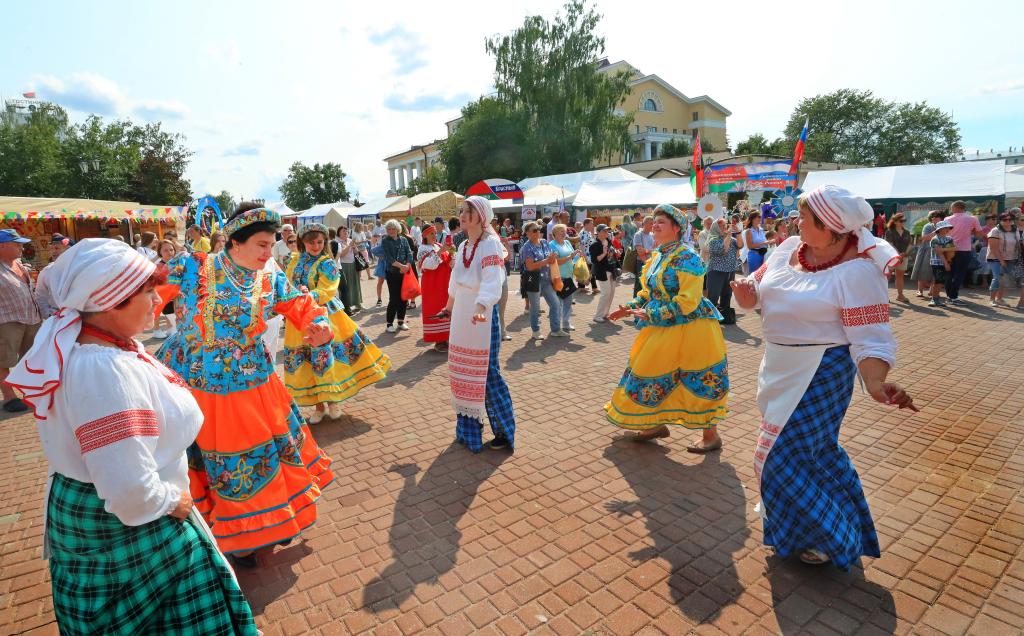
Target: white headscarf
x=484 y=210
x=844 y=212
x=94 y=275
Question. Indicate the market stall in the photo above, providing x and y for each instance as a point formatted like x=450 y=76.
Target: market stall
x=914 y=190
x=40 y=218
x=426 y=206
x=606 y=202
x=330 y=214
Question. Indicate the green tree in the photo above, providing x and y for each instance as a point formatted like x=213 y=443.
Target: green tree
x=845 y=126
x=433 y=179
x=915 y=134
x=546 y=71
x=226 y=202
x=676 y=148
x=31 y=161
x=307 y=186
x=758 y=144
x=492 y=141
x=159 y=177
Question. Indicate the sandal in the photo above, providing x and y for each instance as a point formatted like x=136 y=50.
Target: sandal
x=810 y=556
x=659 y=432
x=702 y=448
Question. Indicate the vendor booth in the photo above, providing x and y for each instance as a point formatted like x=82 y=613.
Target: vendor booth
x=572 y=181
x=427 y=205
x=39 y=218
x=609 y=201
x=332 y=215
x=914 y=190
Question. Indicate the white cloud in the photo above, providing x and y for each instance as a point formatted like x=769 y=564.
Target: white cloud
x=154 y=110
x=1009 y=86
x=84 y=92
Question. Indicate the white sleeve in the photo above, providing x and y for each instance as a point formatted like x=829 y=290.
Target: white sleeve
x=42 y=294
x=492 y=273
x=864 y=309
x=117 y=430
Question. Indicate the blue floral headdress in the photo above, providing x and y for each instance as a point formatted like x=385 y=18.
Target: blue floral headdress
x=677 y=215
x=309 y=228
x=257 y=215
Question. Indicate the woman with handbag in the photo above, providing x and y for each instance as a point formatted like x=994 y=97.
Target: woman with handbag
x=755 y=242
x=537 y=260
x=897 y=235
x=565 y=253
x=723 y=263
x=325 y=376
x=1004 y=259
x=397 y=260
x=922 y=274
x=348 y=255
x=603 y=257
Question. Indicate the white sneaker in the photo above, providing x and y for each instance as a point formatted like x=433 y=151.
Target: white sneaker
x=598 y=319
x=560 y=334
x=538 y=335
x=571 y=328
x=334 y=410
x=506 y=337
x=315 y=417
x=403 y=326
x=391 y=329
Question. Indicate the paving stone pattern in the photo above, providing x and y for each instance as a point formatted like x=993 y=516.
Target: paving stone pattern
x=579 y=532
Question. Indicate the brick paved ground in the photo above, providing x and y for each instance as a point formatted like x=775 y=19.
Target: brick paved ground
x=577 y=533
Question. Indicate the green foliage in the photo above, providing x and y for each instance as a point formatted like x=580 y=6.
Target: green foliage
x=851 y=126
x=492 y=140
x=545 y=75
x=49 y=157
x=676 y=148
x=758 y=144
x=307 y=186
x=226 y=202
x=433 y=179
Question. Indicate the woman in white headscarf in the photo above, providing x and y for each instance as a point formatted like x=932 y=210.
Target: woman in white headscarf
x=474 y=290
x=128 y=554
x=824 y=304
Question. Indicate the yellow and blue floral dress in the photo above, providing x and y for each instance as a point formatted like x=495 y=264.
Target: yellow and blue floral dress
x=677 y=373
x=337 y=370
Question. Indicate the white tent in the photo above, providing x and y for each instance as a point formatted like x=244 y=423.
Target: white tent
x=280 y=207
x=1015 y=182
x=642 y=193
x=963 y=180
x=573 y=180
x=330 y=214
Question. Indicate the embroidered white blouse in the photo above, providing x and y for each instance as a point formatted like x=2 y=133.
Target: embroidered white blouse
x=122 y=424
x=485 y=275
x=844 y=304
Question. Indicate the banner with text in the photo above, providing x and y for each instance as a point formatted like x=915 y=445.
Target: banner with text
x=740 y=177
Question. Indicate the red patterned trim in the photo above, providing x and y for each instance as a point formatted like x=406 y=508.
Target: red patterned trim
x=116 y=427
x=866 y=315
x=491 y=260
x=468 y=351
x=759 y=274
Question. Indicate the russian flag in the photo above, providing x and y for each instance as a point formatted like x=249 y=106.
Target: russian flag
x=798 y=152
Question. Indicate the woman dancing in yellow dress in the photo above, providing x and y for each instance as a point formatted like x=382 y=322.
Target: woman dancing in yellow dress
x=326 y=376
x=677 y=371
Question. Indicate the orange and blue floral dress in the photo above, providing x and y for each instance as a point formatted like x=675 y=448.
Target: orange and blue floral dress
x=677 y=373
x=255 y=471
x=337 y=370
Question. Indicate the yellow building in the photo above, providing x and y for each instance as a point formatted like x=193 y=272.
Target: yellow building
x=660 y=113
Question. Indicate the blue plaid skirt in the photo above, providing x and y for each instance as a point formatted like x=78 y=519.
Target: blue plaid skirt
x=811 y=493
x=497 y=401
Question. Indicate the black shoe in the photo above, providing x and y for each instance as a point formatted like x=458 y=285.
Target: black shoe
x=378 y=302
x=497 y=443
x=248 y=561
x=15 y=405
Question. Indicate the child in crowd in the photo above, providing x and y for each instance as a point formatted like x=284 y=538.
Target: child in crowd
x=941 y=260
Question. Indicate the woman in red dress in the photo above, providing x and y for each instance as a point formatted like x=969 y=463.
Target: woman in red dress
x=435 y=265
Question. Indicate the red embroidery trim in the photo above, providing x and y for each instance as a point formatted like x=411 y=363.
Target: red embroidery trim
x=491 y=260
x=468 y=351
x=866 y=315
x=759 y=274
x=116 y=427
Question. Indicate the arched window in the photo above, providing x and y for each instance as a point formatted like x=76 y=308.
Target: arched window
x=650 y=105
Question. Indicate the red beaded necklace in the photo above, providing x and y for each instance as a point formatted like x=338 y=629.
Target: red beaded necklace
x=466 y=261
x=802 y=250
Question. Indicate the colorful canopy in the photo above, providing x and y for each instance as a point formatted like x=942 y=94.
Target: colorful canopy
x=33 y=208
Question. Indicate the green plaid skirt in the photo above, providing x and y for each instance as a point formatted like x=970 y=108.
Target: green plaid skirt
x=164 y=577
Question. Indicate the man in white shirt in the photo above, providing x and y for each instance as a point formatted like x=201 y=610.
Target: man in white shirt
x=643 y=243
x=280 y=250
x=417 y=230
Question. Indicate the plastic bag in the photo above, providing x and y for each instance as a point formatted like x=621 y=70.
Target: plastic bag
x=581 y=272
x=629 y=261
x=556 y=277
x=410 y=285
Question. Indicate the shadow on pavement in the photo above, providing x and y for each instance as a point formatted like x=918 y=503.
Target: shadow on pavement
x=345 y=427
x=738 y=335
x=414 y=369
x=424 y=534
x=274 y=578
x=800 y=592
x=695 y=515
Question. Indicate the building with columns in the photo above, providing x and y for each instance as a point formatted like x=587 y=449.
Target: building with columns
x=660 y=113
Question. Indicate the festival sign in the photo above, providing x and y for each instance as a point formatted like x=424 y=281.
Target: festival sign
x=495 y=189
x=740 y=177
x=141 y=214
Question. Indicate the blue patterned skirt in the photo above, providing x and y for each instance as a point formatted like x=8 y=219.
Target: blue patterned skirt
x=811 y=493
x=497 y=401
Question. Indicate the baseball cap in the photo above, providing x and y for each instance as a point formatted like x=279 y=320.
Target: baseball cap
x=601 y=228
x=12 y=236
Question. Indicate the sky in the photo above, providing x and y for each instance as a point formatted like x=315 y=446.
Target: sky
x=255 y=86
